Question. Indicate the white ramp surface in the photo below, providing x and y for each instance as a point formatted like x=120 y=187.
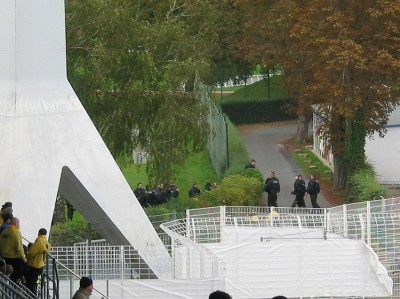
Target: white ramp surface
x=301 y=268
x=48 y=142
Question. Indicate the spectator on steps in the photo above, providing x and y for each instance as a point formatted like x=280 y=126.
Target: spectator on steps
x=12 y=251
x=85 y=288
x=219 y=295
x=36 y=258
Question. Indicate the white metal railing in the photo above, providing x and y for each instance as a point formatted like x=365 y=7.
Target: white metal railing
x=101 y=262
x=191 y=260
x=377 y=223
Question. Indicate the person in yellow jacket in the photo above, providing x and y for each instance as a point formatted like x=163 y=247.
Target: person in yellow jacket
x=36 y=258
x=12 y=251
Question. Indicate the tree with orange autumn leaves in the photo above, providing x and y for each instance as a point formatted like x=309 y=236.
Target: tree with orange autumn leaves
x=342 y=56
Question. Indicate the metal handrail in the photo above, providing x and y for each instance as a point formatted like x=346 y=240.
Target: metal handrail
x=77 y=276
x=50 y=280
x=3 y=264
x=10 y=289
x=55 y=282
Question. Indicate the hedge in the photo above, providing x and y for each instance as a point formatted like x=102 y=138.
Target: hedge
x=258 y=111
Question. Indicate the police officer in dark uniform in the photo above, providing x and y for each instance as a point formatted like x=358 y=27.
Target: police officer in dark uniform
x=272 y=187
x=299 y=191
x=313 y=190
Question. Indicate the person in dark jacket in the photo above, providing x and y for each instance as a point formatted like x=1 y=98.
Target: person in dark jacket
x=252 y=164
x=299 y=191
x=70 y=211
x=85 y=288
x=195 y=190
x=209 y=186
x=139 y=191
x=6 y=221
x=313 y=189
x=172 y=191
x=219 y=295
x=272 y=187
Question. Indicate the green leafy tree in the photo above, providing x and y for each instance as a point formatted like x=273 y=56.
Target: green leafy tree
x=133 y=65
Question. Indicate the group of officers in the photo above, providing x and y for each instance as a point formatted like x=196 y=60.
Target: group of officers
x=273 y=187
x=151 y=197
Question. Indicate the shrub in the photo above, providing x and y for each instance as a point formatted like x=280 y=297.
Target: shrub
x=71 y=232
x=252 y=173
x=237 y=190
x=362 y=186
x=252 y=112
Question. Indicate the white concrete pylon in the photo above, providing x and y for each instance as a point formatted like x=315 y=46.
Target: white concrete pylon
x=48 y=142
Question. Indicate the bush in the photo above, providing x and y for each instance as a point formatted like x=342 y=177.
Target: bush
x=71 y=232
x=252 y=173
x=258 y=111
x=237 y=190
x=362 y=186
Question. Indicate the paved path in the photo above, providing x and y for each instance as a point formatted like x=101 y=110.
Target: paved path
x=264 y=145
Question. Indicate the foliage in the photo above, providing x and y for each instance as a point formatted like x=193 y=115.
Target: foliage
x=341 y=55
x=197 y=168
x=354 y=155
x=227 y=65
x=252 y=173
x=253 y=112
x=179 y=205
x=133 y=65
x=251 y=104
x=363 y=186
x=71 y=232
x=238 y=156
x=237 y=190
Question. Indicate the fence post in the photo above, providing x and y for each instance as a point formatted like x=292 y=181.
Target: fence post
x=71 y=286
x=360 y=217
x=87 y=258
x=325 y=223
x=121 y=248
x=272 y=215
x=369 y=223
x=188 y=224
x=222 y=214
x=345 y=220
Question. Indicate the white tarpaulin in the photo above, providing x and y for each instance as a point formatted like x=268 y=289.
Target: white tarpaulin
x=302 y=268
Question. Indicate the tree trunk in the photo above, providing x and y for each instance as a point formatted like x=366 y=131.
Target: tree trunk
x=302 y=128
x=340 y=173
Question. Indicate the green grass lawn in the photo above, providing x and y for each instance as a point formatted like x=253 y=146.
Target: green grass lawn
x=197 y=168
x=258 y=91
x=216 y=89
x=306 y=158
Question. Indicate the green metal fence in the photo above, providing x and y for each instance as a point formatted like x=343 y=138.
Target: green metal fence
x=218 y=139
